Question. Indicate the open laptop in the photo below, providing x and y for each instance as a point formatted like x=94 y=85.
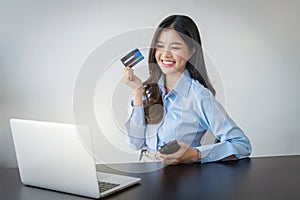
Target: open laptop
x=54 y=156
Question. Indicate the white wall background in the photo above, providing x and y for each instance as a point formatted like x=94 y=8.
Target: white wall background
x=254 y=45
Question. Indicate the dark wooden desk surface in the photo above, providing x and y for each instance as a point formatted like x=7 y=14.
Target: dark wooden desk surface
x=255 y=178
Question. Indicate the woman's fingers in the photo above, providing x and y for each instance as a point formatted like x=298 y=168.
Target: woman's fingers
x=129 y=73
x=130 y=79
x=177 y=157
x=169 y=158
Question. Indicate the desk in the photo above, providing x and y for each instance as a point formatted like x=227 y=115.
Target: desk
x=255 y=178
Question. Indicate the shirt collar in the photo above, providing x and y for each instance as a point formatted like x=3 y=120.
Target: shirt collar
x=182 y=86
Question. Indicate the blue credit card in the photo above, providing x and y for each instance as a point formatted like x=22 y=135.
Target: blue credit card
x=132 y=58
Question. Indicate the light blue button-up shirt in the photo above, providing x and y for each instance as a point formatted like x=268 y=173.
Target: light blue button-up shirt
x=190 y=111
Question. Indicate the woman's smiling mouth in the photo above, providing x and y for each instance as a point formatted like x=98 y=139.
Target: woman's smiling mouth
x=168 y=63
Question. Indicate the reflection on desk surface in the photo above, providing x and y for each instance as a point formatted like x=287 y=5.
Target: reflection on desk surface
x=255 y=178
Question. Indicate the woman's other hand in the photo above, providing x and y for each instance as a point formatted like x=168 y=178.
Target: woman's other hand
x=183 y=155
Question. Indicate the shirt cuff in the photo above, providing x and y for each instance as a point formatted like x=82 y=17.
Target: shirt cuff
x=135 y=124
x=216 y=152
x=137 y=115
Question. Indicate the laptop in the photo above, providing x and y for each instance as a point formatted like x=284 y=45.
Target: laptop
x=59 y=157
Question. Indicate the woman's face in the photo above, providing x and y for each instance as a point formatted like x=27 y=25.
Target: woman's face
x=172 y=53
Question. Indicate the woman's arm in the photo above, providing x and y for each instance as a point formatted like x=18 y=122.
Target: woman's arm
x=233 y=144
x=135 y=124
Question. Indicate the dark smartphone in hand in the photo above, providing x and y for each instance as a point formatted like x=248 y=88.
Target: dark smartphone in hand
x=170 y=147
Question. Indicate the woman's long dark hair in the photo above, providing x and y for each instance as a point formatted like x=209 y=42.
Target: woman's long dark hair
x=188 y=31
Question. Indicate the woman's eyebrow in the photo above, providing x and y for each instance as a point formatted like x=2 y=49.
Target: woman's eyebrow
x=173 y=43
x=176 y=43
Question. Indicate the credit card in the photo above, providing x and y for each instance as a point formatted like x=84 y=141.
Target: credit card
x=132 y=58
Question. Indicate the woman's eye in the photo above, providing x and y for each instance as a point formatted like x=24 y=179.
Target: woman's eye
x=159 y=46
x=175 y=48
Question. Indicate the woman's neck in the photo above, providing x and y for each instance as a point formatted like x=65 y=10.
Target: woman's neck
x=171 y=81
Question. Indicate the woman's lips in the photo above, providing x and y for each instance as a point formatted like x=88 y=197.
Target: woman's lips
x=168 y=63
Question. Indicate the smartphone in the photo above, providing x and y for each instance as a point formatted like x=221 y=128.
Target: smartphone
x=169 y=148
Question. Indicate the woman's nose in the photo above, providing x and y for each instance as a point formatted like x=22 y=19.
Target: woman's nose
x=166 y=53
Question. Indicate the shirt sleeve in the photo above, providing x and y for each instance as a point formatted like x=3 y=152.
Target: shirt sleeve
x=233 y=141
x=135 y=127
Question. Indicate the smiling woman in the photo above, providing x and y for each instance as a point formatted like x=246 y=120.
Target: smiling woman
x=177 y=101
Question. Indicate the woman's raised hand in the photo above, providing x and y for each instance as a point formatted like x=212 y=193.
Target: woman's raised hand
x=130 y=79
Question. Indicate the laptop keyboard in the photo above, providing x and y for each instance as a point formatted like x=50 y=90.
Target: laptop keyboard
x=104 y=186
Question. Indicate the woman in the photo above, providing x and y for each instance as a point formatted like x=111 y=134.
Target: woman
x=177 y=101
